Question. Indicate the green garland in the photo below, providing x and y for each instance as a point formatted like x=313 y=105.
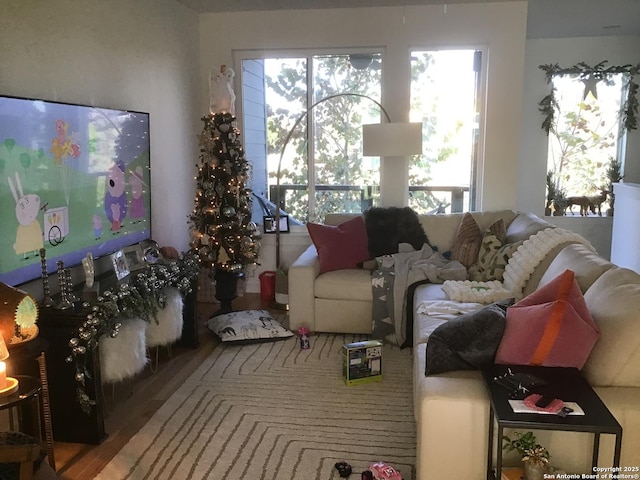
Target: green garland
x=142 y=297
x=548 y=105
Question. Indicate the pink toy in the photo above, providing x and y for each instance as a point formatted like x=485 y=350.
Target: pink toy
x=382 y=471
x=304 y=338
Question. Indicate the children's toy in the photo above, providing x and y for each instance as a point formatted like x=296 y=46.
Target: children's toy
x=304 y=338
x=362 y=362
x=344 y=469
x=382 y=471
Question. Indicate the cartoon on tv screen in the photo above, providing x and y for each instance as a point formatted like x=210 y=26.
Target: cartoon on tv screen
x=73 y=179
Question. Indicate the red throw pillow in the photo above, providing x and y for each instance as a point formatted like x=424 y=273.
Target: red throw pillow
x=340 y=246
x=551 y=327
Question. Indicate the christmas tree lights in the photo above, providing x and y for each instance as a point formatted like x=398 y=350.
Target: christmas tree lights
x=223 y=236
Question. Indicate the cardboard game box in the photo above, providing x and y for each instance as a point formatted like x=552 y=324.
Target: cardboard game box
x=362 y=362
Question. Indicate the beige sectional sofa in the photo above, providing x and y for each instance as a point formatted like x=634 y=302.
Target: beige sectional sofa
x=451 y=409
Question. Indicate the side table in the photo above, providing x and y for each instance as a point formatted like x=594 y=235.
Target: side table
x=29 y=358
x=26 y=404
x=567 y=384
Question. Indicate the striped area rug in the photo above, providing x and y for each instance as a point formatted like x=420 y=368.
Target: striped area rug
x=275 y=412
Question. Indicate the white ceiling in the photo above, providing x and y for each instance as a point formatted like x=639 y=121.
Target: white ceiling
x=546 y=18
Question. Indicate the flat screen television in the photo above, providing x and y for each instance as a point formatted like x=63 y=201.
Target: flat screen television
x=73 y=179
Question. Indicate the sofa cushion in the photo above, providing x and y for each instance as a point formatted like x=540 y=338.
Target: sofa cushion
x=524 y=225
x=389 y=227
x=467 y=242
x=551 y=327
x=442 y=228
x=467 y=342
x=585 y=263
x=350 y=284
x=614 y=302
x=340 y=246
x=494 y=254
x=247 y=326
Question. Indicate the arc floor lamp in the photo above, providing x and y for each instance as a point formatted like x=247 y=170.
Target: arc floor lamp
x=378 y=140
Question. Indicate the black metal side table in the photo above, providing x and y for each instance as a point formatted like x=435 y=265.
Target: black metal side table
x=567 y=384
x=25 y=405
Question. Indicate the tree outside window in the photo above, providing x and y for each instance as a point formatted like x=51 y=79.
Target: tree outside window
x=587 y=115
x=323 y=169
x=444 y=97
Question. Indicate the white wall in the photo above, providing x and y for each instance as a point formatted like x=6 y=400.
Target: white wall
x=140 y=55
x=532 y=166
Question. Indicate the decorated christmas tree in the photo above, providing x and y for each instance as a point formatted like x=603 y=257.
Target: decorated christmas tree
x=223 y=236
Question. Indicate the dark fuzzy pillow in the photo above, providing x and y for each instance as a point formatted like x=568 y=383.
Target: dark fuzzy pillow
x=388 y=227
x=467 y=342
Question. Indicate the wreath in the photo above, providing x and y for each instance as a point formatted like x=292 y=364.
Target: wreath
x=590 y=76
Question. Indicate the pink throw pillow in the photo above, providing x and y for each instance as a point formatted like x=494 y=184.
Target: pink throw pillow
x=340 y=246
x=551 y=327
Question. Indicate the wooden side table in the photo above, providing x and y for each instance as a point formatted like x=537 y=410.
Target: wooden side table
x=567 y=384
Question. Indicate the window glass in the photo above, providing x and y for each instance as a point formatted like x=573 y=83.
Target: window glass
x=444 y=97
x=583 y=144
x=322 y=168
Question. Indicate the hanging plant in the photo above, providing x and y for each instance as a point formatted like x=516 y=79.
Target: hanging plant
x=590 y=76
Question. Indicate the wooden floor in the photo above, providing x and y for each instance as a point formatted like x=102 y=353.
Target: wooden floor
x=130 y=405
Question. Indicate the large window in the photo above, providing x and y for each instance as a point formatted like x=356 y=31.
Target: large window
x=444 y=97
x=323 y=169
x=585 y=138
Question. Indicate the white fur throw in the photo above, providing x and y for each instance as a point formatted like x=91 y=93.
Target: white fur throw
x=532 y=251
x=517 y=271
x=125 y=355
x=166 y=328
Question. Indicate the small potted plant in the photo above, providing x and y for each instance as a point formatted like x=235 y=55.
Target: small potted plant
x=534 y=456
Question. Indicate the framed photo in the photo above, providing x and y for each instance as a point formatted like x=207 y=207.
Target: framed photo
x=134 y=257
x=270 y=224
x=120 y=265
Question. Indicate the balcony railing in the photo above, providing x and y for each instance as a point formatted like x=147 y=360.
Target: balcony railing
x=367 y=191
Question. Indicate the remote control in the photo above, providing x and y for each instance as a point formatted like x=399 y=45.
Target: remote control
x=544 y=401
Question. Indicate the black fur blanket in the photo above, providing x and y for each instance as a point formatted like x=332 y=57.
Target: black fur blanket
x=388 y=227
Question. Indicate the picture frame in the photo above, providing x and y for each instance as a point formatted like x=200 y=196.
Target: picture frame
x=134 y=257
x=120 y=265
x=269 y=223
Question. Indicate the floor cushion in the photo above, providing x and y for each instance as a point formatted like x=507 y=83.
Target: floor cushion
x=247 y=326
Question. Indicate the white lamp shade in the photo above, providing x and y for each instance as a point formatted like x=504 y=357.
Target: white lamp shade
x=392 y=139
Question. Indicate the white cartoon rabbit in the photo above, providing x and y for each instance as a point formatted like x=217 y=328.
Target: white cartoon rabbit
x=29 y=233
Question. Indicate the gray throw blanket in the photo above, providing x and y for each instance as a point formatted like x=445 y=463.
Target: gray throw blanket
x=391 y=279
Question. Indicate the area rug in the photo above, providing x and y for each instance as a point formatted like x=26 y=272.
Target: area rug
x=273 y=411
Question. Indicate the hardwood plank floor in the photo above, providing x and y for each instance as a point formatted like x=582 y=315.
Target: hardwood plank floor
x=132 y=404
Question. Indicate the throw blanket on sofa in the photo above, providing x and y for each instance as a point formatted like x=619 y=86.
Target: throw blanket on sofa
x=390 y=282
x=517 y=271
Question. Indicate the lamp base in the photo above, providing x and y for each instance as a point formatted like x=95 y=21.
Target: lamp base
x=11 y=387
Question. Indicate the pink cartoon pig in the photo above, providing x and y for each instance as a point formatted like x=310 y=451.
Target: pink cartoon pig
x=115 y=199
